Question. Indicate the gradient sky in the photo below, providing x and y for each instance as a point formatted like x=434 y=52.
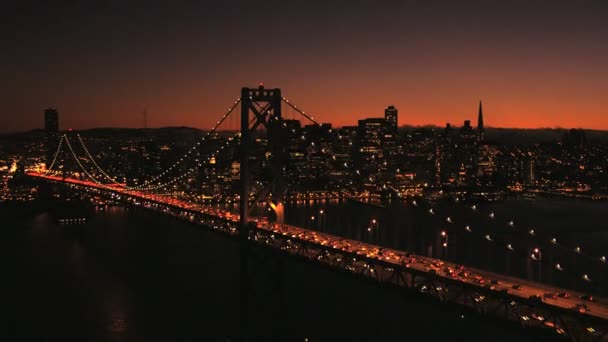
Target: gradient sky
x=533 y=63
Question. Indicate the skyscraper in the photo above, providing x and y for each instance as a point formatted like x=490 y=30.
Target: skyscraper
x=51 y=126
x=480 y=129
x=369 y=145
x=391 y=116
x=465 y=152
x=51 y=120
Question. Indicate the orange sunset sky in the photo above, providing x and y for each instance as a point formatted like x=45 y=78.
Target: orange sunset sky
x=533 y=64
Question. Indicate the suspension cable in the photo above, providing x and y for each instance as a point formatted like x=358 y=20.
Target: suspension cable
x=83 y=168
x=145 y=186
x=303 y=113
x=56 y=155
x=189 y=171
x=93 y=160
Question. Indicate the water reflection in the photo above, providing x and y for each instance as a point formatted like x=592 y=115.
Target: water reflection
x=134 y=275
x=108 y=295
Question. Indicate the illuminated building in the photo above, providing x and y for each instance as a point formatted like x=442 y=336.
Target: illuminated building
x=369 y=145
x=391 y=117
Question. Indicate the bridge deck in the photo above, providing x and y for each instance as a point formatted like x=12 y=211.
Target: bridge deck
x=449 y=271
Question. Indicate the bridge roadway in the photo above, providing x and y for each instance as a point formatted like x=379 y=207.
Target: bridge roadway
x=448 y=272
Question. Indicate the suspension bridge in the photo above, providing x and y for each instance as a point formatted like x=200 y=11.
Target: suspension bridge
x=570 y=313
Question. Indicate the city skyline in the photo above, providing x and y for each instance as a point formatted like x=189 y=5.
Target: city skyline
x=303 y=170
x=460 y=122
x=534 y=65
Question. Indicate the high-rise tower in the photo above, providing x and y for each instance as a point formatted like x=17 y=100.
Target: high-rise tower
x=390 y=115
x=480 y=129
x=51 y=127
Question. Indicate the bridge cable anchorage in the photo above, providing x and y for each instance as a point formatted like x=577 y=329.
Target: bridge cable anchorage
x=145 y=186
x=508 y=245
x=303 y=113
x=55 y=156
x=83 y=168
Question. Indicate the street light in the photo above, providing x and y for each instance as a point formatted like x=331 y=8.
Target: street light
x=444 y=243
x=373 y=225
x=537 y=255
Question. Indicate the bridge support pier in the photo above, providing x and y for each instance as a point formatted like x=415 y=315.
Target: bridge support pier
x=279 y=210
x=262 y=287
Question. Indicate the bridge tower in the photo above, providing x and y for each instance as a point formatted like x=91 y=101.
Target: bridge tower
x=262 y=107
